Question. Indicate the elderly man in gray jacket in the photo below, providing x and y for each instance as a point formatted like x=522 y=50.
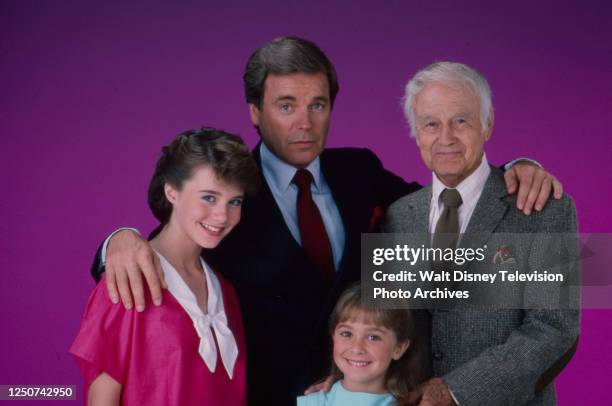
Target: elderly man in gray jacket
x=479 y=357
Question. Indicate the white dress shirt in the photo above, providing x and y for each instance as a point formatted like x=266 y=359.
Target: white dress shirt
x=470 y=190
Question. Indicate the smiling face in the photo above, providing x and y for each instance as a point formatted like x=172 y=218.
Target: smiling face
x=448 y=130
x=294 y=116
x=206 y=208
x=363 y=352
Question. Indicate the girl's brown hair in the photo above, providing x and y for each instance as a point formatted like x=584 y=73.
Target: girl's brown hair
x=225 y=153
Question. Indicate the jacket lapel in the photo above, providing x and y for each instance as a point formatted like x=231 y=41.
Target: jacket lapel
x=489 y=212
x=264 y=211
x=417 y=217
x=491 y=208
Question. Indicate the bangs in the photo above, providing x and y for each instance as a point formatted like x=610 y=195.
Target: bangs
x=356 y=312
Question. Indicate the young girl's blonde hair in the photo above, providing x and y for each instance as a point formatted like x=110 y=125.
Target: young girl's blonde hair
x=404 y=375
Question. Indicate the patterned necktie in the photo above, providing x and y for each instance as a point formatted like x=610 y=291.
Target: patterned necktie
x=447 y=228
x=315 y=240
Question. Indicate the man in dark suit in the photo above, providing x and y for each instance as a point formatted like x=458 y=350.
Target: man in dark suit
x=495 y=353
x=298 y=244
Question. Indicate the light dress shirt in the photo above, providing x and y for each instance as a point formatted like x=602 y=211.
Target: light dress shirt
x=279 y=176
x=470 y=190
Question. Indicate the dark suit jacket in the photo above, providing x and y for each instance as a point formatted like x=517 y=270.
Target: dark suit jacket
x=284 y=306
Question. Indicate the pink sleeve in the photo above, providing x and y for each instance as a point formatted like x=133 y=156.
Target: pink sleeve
x=105 y=338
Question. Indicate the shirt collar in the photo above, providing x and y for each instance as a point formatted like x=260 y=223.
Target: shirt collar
x=279 y=173
x=215 y=320
x=469 y=187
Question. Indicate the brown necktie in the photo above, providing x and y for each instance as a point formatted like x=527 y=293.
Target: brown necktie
x=447 y=228
x=315 y=240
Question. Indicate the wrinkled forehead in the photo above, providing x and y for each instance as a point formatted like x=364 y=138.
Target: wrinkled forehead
x=436 y=97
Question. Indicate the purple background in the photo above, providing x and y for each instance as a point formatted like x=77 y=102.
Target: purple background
x=89 y=94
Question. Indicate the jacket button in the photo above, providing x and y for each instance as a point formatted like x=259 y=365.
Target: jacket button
x=437 y=356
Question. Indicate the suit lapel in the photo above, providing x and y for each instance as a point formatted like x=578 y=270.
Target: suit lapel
x=417 y=217
x=489 y=212
x=491 y=208
x=265 y=212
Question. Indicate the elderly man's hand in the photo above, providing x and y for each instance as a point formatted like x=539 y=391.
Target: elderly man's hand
x=128 y=257
x=435 y=393
x=534 y=186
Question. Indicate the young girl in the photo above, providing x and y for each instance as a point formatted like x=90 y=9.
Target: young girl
x=191 y=349
x=377 y=359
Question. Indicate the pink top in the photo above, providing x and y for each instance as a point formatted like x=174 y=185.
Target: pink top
x=154 y=354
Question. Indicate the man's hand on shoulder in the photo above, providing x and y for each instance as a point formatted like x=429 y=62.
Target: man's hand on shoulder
x=436 y=393
x=534 y=185
x=128 y=257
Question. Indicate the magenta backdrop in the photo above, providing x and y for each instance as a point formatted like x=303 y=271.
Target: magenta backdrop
x=89 y=93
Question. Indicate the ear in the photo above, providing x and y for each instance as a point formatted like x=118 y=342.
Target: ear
x=490 y=121
x=255 y=112
x=171 y=193
x=400 y=349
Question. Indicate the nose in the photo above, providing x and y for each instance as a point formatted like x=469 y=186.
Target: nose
x=358 y=346
x=304 y=121
x=220 y=213
x=447 y=135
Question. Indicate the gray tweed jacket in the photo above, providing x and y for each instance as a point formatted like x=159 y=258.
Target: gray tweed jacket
x=496 y=357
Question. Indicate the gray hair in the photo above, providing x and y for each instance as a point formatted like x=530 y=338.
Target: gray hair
x=446 y=72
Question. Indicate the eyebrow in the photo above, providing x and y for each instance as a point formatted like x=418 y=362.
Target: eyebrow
x=321 y=98
x=380 y=330
x=286 y=97
x=369 y=329
x=465 y=114
x=426 y=117
x=292 y=98
x=216 y=193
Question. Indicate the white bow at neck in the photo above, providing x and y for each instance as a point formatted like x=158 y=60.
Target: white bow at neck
x=205 y=323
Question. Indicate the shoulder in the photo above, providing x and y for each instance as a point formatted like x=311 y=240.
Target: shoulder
x=314 y=399
x=410 y=201
x=361 y=155
x=99 y=302
x=558 y=215
x=322 y=398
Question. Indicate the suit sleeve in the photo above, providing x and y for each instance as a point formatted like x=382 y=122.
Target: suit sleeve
x=97 y=267
x=510 y=373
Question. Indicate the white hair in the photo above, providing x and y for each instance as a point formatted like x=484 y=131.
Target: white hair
x=448 y=72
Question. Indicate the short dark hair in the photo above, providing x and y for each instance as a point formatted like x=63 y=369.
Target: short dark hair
x=225 y=153
x=283 y=56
